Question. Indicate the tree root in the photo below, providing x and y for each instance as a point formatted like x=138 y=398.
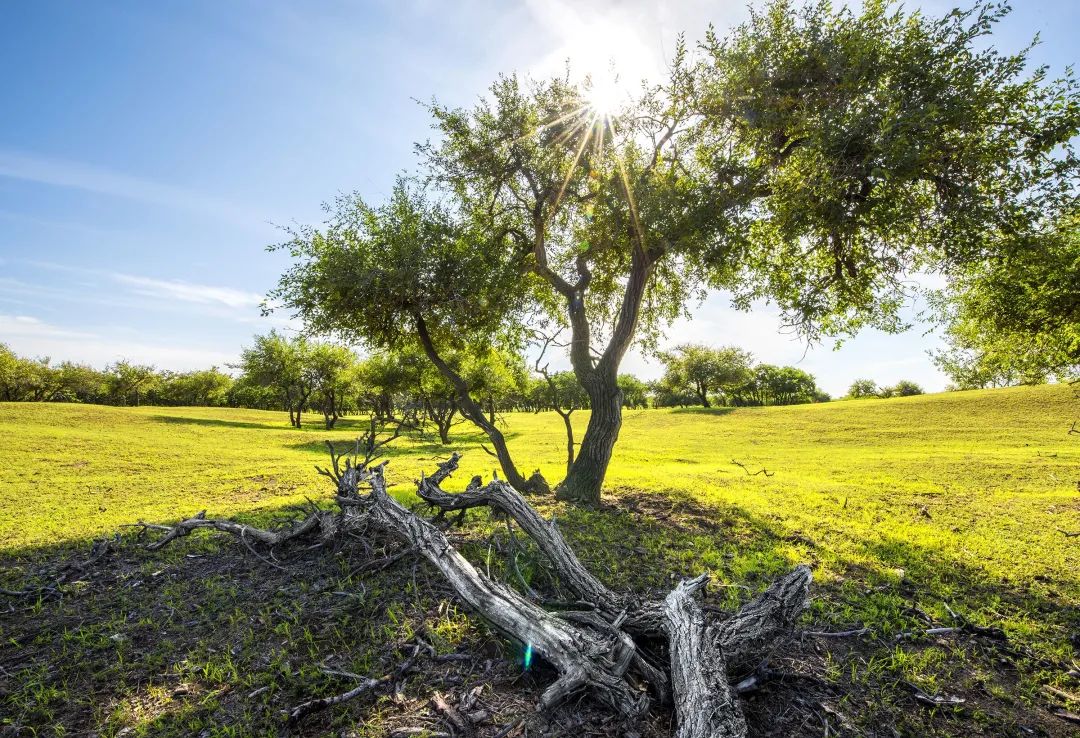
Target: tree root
x=594 y=643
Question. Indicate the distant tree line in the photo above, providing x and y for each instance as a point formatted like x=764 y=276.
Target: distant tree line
x=701 y=375
x=121 y=383
x=862 y=389
x=300 y=375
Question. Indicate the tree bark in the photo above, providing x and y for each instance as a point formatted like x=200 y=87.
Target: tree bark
x=704 y=704
x=585 y=477
x=469 y=408
x=600 y=379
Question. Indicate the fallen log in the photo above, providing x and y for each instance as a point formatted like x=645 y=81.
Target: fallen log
x=593 y=644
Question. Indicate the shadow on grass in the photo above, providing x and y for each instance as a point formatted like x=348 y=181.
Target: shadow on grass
x=697 y=410
x=214 y=422
x=231 y=639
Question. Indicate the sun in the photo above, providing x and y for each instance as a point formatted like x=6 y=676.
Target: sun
x=604 y=94
x=605 y=52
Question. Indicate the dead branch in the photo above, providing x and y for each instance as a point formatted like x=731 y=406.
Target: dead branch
x=583 y=658
x=749 y=473
x=367 y=685
x=241 y=530
x=502 y=497
x=592 y=643
x=704 y=702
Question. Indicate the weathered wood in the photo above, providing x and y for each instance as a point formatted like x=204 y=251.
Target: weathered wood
x=503 y=497
x=592 y=643
x=755 y=630
x=247 y=533
x=583 y=658
x=705 y=706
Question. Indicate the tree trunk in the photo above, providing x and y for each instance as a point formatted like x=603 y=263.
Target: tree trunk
x=703 y=394
x=472 y=411
x=569 y=439
x=586 y=477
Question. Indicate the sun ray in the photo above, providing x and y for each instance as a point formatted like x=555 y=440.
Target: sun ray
x=573 y=166
x=635 y=221
x=580 y=111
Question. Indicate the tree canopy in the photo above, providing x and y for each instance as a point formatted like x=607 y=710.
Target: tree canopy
x=813 y=157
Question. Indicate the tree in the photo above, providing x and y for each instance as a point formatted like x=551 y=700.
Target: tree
x=79 y=383
x=863 y=388
x=202 y=387
x=412 y=272
x=126 y=380
x=10 y=375
x=25 y=380
x=814 y=158
x=436 y=394
x=493 y=377
x=283 y=365
x=635 y=392
x=776 y=385
x=905 y=388
x=703 y=370
x=331 y=369
x=1016 y=318
x=564 y=396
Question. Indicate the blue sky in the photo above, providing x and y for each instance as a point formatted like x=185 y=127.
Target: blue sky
x=147 y=149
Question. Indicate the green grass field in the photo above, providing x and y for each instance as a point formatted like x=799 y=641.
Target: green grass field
x=905 y=508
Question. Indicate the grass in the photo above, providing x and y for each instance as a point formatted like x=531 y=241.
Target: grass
x=904 y=507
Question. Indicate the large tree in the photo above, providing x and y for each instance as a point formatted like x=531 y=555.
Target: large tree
x=813 y=158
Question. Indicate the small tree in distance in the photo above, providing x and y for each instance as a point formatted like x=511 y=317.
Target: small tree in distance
x=706 y=370
x=905 y=388
x=862 y=389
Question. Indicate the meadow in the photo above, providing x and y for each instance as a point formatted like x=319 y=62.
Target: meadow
x=913 y=512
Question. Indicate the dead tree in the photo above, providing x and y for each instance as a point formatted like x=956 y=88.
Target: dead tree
x=628 y=652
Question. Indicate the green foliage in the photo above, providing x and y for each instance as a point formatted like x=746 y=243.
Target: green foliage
x=204 y=387
x=127 y=382
x=903 y=388
x=693 y=372
x=565 y=392
x=863 y=388
x=815 y=157
x=373 y=273
x=1015 y=318
x=635 y=392
x=702 y=370
x=25 y=380
x=777 y=385
x=853 y=147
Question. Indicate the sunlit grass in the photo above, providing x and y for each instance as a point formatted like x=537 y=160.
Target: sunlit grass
x=901 y=506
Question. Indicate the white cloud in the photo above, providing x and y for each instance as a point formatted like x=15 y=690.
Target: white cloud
x=25 y=326
x=168 y=294
x=29 y=336
x=101 y=181
x=187 y=292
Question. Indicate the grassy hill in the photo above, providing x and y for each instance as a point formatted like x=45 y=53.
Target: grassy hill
x=905 y=508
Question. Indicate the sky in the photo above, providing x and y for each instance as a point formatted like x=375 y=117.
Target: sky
x=150 y=152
